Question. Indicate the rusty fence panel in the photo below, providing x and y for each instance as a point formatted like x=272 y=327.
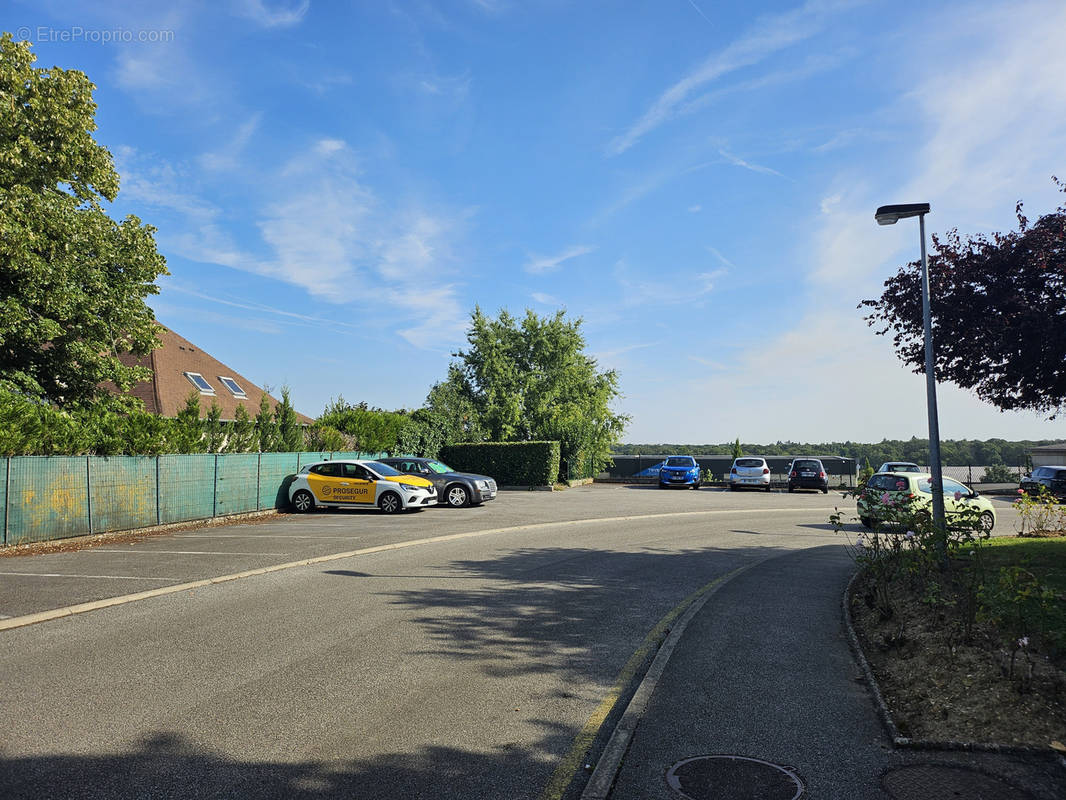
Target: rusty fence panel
x=122 y=492
x=47 y=497
x=56 y=497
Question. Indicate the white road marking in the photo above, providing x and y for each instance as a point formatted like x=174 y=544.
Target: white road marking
x=183 y=552
x=258 y=536
x=95 y=605
x=68 y=575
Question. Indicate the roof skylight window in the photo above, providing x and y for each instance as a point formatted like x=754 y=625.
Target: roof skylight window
x=200 y=382
x=233 y=386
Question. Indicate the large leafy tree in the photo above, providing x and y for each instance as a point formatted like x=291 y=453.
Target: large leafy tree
x=530 y=379
x=72 y=280
x=999 y=313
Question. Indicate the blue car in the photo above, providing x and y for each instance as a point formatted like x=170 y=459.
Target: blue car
x=679 y=471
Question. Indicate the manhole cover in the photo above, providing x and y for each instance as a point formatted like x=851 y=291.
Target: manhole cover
x=733 y=778
x=940 y=782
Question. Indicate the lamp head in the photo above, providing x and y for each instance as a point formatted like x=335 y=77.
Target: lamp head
x=890 y=215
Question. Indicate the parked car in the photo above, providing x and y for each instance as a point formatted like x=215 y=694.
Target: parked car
x=750 y=471
x=680 y=471
x=899 y=466
x=1051 y=478
x=358 y=484
x=807 y=473
x=456 y=489
x=886 y=492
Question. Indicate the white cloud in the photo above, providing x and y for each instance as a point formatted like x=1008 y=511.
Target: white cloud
x=541 y=264
x=269 y=16
x=546 y=299
x=641 y=288
x=769 y=35
x=739 y=162
x=328 y=234
x=988 y=108
x=695 y=209
x=228 y=156
x=720 y=257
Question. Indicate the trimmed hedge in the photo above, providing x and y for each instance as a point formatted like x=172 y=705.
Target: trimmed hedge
x=509 y=463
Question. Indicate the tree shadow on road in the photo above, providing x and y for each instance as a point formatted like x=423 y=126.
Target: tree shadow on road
x=165 y=765
x=579 y=612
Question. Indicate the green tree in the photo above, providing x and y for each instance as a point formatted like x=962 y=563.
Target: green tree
x=531 y=380
x=737 y=451
x=266 y=428
x=290 y=433
x=454 y=409
x=188 y=429
x=214 y=433
x=242 y=432
x=72 y=280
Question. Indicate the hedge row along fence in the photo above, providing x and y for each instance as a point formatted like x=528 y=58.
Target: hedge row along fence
x=56 y=497
x=509 y=463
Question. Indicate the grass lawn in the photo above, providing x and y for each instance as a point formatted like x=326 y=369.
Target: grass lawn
x=1045 y=558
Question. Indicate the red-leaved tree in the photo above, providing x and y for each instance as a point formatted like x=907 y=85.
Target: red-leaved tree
x=999 y=313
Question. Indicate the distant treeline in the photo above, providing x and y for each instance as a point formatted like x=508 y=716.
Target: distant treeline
x=955 y=452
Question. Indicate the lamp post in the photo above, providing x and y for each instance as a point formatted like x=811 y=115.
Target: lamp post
x=889 y=215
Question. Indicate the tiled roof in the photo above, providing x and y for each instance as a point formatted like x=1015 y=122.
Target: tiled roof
x=166 y=392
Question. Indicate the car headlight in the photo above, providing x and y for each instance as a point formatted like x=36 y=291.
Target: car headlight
x=408 y=487
x=483 y=485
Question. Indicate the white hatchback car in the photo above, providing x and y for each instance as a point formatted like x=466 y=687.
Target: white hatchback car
x=749 y=471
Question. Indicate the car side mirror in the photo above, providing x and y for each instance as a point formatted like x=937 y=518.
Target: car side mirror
x=974 y=493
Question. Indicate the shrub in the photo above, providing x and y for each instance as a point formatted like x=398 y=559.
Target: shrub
x=509 y=463
x=999 y=473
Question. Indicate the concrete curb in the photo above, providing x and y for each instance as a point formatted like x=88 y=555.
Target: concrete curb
x=886 y=715
x=610 y=762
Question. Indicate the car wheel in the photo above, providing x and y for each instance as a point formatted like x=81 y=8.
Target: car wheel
x=769 y=488
x=825 y=490
x=390 y=503
x=662 y=485
x=988 y=522
x=458 y=496
x=303 y=502
x=791 y=488
x=696 y=485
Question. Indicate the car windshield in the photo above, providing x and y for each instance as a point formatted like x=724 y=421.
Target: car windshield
x=438 y=467
x=384 y=470
x=678 y=461
x=749 y=462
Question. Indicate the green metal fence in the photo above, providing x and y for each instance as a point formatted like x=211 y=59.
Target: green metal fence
x=56 y=497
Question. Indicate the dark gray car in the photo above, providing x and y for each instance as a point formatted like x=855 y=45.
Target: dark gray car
x=455 y=489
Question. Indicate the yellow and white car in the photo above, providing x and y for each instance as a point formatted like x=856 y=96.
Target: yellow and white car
x=359 y=484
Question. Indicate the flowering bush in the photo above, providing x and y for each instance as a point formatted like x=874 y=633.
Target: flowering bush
x=1040 y=515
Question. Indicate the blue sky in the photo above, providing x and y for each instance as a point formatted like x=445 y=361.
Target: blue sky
x=336 y=187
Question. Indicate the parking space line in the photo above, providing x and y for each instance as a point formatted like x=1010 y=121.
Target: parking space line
x=95 y=605
x=260 y=536
x=69 y=575
x=184 y=552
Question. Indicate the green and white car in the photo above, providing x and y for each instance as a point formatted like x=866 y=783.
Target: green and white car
x=887 y=493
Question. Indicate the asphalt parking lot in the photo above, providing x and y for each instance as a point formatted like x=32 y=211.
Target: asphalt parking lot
x=127 y=564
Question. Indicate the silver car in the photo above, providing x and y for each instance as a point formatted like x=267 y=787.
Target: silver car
x=749 y=471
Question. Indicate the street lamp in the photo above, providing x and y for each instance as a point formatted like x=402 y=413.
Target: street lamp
x=889 y=215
